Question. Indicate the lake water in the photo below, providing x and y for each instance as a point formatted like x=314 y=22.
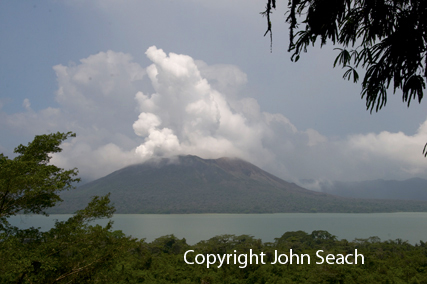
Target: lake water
x=196 y=227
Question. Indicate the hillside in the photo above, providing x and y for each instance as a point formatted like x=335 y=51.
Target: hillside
x=189 y=184
x=410 y=189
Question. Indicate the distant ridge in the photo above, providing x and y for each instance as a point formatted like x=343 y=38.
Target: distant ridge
x=410 y=189
x=189 y=184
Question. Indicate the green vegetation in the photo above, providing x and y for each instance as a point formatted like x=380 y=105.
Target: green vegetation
x=76 y=252
x=28 y=184
x=103 y=256
x=73 y=250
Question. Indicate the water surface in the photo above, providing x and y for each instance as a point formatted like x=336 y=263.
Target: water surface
x=196 y=227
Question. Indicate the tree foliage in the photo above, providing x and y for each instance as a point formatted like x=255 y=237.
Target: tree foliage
x=28 y=183
x=387 y=38
x=73 y=251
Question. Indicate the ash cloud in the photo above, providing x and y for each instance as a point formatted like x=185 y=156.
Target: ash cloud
x=124 y=113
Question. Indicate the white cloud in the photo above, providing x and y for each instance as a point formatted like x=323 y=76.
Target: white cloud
x=26 y=104
x=396 y=150
x=224 y=78
x=198 y=109
x=102 y=81
x=92 y=160
x=146 y=123
x=96 y=100
x=159 y=143
x=210 y=123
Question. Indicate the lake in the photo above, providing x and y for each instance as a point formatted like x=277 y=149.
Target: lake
x=196 y=227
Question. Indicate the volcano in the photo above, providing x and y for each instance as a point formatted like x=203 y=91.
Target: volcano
x=190 y=184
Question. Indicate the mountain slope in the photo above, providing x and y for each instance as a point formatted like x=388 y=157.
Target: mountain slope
x=410 y=189
x=189 y=184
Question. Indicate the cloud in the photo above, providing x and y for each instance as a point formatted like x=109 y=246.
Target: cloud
x=187 y=115
x=124 y=113
x=191 y=112
x=96 y=99
x=389 y=147
x=385 y=155
x=104 y=84
x=26 y=104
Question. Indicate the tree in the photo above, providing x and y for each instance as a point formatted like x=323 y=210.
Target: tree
x=28 y=183
x=387 y=38
x=72 y=251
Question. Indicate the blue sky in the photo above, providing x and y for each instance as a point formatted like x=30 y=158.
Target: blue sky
x=80 y=65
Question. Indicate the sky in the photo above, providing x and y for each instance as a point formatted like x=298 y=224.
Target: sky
x=157 y=78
